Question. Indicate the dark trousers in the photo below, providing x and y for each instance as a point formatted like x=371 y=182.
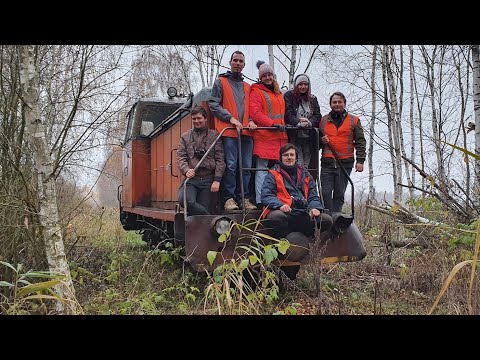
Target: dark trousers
x=334 y=183
x=285 y=223
x=198 y=196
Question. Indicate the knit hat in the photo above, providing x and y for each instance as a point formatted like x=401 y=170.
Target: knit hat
x=301 y=78
x=264 y=68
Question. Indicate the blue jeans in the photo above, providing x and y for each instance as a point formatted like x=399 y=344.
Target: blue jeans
x=260 y=178
x=229 y=180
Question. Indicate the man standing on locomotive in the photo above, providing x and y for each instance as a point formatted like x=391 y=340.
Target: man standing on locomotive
x=229 y=103
x=291 y=198
x=342 y=132
x=206 y=179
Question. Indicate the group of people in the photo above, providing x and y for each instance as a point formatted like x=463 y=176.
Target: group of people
x=260 y=113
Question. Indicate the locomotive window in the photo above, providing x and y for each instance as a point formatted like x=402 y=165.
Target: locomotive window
x=130 y=117
x=148 y=112
x=156 y=113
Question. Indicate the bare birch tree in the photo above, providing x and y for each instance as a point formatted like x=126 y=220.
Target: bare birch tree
x=394 y=122
x=411 y=178
x=371 y=187
x=430 y=58
x=48 y=210
x=290 y=57
x=271 y=59
x=206 y=59
x=463 y=78
x=476 y=108
x=156 y=68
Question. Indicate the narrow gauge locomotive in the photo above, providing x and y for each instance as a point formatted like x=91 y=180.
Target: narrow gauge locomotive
x=148 y=195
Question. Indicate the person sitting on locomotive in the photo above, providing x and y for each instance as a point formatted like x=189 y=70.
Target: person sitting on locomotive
x=291 y=198
x=206 y=179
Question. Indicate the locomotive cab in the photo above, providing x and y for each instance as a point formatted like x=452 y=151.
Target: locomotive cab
x=148 y=196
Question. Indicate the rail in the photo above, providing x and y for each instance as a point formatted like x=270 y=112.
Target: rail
x=195 y=169
x=241 y=168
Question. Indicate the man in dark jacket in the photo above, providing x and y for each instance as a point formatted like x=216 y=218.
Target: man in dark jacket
x=343 y=133
x=206 y=179
x=290 y=195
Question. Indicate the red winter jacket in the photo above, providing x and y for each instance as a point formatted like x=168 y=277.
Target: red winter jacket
x=267 y=108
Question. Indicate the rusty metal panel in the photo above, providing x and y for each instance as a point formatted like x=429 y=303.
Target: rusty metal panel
x=167 y=177
x=342 y=247
x=140 y=157
x=186 y=124
x=127 y=175
x=154 y=213
x=200 y=239
x=160 y=167
x=175 y=172
x=153 y=167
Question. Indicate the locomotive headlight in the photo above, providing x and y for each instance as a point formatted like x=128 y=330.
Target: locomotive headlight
x=171 y=92
x=221 y=225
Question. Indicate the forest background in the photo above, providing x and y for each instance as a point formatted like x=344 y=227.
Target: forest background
x=62 y=120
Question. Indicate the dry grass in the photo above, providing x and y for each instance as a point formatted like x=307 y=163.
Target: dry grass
x=405 y=281
x=115 y=273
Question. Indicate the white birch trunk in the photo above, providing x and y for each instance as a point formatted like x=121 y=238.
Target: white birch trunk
x=399 y=122
x=212 y=64
x=271 y=60
x=395 y=127
x=200 y=66
x=371 y=188
x=431 y=75
x=412 y=125
x=476 y=108
x=420 y=131
x=293 y=63
x=48 y=215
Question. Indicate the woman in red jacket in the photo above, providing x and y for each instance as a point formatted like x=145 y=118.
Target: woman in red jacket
x=267 y=109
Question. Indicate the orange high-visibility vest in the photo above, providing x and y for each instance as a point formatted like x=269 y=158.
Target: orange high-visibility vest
x=228 y=102
x=282 y=193
x=275 y=110
x=341 y=139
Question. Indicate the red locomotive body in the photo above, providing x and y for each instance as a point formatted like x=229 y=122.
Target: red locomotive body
x=148 y=195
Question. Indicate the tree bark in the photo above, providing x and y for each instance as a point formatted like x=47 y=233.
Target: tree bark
x=476 y=108
x=371 y=188
x=48 y=210
x=271 y=60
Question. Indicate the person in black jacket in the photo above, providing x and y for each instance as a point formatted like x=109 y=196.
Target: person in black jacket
x=302 y=111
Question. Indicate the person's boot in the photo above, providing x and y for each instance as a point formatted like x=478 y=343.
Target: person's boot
x=230 y=205
x=247 y=205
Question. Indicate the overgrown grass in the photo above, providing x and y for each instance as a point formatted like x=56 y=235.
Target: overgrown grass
x=116 y=273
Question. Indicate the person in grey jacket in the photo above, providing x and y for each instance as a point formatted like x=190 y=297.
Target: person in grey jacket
x=206 y=179
x=302 y=111
x=229 y=104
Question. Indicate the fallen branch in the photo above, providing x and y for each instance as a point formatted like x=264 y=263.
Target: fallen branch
x=445 y=196
x=400 y=213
